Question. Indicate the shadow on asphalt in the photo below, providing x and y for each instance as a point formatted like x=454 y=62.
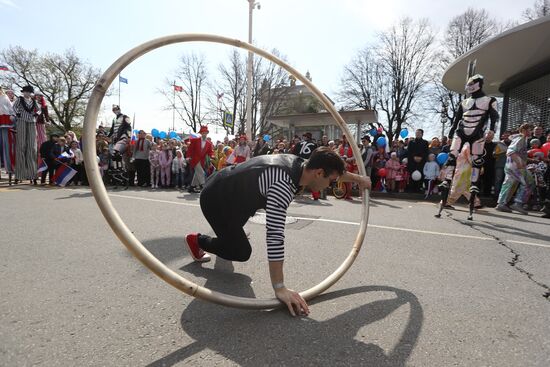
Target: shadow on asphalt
x=166 y=249
x=259 y=338
x=515 y=216
x=377 y=203
x=499 y=227
x=189 y=197
x=308 y=201
x=76 y=195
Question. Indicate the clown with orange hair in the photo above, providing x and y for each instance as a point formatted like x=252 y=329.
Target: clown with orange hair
x=200 y=152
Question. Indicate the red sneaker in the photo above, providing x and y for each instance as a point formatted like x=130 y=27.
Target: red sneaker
x=198 y=254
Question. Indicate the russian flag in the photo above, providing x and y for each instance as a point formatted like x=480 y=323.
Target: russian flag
x=63 y=174
x=4 y=68
x=42 y=166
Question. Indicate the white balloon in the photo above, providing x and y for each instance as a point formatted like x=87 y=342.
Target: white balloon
x=416 y=175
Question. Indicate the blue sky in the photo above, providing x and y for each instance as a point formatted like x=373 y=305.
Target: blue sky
x=320 y=36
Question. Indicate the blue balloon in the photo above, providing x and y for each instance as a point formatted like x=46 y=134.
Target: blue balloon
x=173 y=134
x=381 y=142
x=155 y=133
x=442 y=158
x=267 y=138
x=404 y=133
x=372 y=132
x=162 y=135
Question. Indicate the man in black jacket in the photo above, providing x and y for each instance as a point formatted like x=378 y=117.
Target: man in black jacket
x=417 y=153
x=121 y=127
x=45 y=153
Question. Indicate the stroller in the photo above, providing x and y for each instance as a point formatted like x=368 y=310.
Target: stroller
x=116 y=174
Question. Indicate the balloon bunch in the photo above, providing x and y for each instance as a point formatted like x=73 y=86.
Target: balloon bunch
x=163 y=135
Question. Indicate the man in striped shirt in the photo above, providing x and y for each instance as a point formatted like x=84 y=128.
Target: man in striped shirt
x=234 y=194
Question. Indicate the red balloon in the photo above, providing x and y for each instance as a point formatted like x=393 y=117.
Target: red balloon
x=382 y=172
x=532 y=152
x=546 y=147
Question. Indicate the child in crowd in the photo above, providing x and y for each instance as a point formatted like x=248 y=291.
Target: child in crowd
x=101 y=143
x=178 y=169
x=431 y=172
x=165 y=160
x=104 y=158
x=76 y=163
x=226 y=159
x=392 y=170
x=155 y=166
x=538 y=168
x=402 y=177
x=534 y=143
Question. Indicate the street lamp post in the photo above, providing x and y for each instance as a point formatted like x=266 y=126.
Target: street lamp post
x=251 y=5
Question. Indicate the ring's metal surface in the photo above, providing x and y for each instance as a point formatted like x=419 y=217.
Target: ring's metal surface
x=124 y=233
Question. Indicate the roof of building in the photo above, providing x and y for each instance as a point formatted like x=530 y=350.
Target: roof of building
x=323 y=118
x=515 y=54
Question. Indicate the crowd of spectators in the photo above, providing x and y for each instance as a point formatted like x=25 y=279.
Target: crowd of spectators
x=408 y=164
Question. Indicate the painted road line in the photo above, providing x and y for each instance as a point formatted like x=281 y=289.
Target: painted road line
x=344 y=222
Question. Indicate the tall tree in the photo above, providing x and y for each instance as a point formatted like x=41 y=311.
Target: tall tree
x=65 y=80
x=358 y=81
x=468 y=30
x=269 y=91
x=232 y=84
x=390 y=74
x=463 y=32
x=404 y=68
x=191 y=74
x=540 y=8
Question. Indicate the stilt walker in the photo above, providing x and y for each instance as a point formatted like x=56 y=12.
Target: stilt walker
x=26 y=151
x=470 y=124
x=7 y=136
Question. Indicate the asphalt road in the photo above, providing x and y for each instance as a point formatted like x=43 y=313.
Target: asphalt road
x=423 y=292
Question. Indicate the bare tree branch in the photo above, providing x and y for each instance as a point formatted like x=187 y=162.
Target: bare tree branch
x=66 y=81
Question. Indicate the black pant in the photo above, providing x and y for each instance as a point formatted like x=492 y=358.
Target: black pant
x=231 y=242
x=488 y=179
x=78 y=175
x=52 y=165
x=178 y=178
x=415 y=186
x=143 y=171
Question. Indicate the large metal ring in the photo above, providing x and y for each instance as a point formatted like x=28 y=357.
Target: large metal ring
x=123 y=232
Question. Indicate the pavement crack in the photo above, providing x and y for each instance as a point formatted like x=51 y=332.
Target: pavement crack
x=516 y=256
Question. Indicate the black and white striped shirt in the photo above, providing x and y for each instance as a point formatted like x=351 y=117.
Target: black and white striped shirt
x=279 y=190
x=22 y=113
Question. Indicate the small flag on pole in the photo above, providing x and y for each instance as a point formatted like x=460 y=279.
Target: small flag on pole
x=122 y=80
x=220 y=95
x=63 y=174
x=4 y=68
x=178 y=88
x=42 y=166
